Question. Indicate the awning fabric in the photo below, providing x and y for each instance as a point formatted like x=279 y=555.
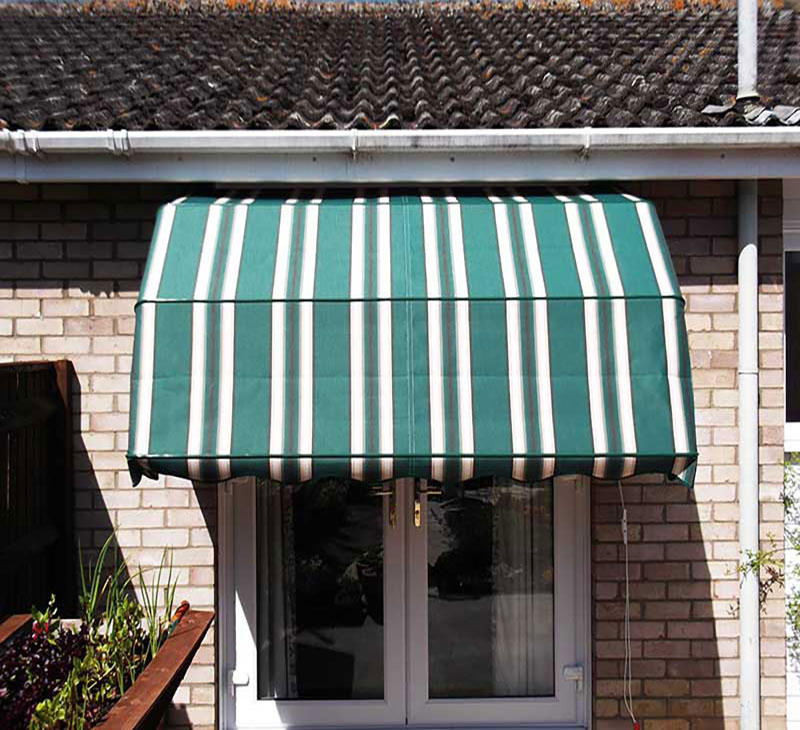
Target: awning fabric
x=444 y=337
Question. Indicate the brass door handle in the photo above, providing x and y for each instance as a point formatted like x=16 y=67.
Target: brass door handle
x=418 y=492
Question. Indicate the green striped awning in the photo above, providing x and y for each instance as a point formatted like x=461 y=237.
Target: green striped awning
x=405 y=335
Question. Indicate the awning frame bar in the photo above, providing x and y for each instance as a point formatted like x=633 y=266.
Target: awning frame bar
x=333 y=300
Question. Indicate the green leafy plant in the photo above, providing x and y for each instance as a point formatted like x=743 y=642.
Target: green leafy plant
x=157 y=620
x=124 y=634
x=770 y=564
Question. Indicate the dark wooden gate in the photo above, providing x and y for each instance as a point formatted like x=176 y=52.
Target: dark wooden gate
x=36 y=486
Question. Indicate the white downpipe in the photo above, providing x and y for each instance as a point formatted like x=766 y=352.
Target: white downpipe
x=747 y=62
x=749 y=641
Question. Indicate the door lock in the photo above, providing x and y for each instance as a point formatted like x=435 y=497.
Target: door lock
x=574 y=673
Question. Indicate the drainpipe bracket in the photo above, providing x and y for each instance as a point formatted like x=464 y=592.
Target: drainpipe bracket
x=585 y=151
x=118 y=143
x=354 y=144
x=22 y=142
x=746 y=100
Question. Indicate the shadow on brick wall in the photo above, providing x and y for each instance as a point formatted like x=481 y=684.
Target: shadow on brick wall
x=675 y=610
x=194 y=704
x=96 y=504
x=73 y=256
x=683 y=543
x=94 y=524
x=90 y=240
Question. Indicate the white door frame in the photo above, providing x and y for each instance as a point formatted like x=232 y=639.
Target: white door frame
x=568 y=706
x=239 y=677
x=247 y=710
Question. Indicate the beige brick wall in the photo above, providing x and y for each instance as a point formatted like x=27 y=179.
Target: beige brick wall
x=71 y=258
x=684 y=546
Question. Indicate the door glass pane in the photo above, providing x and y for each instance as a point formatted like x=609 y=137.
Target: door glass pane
x=490 y=590
x=320 y=591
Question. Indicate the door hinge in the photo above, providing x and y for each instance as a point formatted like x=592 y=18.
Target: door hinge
x=239 y=678
x=574 y=673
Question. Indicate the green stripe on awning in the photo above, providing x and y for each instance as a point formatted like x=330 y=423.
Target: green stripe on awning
x=440 y=337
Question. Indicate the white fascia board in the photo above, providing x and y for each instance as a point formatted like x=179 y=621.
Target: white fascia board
x=396 y=157
x=398 y=168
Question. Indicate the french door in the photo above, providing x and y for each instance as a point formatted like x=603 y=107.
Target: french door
x=344 y=605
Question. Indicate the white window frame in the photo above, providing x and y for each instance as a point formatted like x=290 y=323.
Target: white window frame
x=791 y=242
x=236 y=651
x=791 y=436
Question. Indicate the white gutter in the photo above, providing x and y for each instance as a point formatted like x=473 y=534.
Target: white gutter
x=747 y=49
x=749 y=642
x=357 y=141
x=440 y=156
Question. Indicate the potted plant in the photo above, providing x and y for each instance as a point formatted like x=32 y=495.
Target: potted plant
x=116 y=667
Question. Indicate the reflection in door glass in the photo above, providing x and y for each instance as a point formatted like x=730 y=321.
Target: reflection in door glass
x=320 y=591
x=490 y=590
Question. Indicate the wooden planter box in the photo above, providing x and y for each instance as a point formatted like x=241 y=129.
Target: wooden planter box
x=144 y=704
